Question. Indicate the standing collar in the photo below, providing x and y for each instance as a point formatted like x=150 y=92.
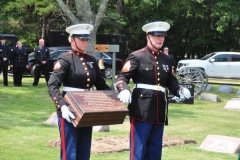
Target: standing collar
x=78 y=53
x=152 y=52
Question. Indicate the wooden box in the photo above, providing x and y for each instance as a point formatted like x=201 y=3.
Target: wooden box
x=93 y=108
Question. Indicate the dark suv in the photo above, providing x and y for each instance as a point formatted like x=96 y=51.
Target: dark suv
x=107 y=58
x=11 y=41
x=56 y=51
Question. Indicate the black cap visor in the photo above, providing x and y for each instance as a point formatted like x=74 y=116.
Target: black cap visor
x=157 y=33
x=82 y=36
x=2 y=38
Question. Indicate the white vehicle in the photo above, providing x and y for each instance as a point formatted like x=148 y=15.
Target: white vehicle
x=216 y=64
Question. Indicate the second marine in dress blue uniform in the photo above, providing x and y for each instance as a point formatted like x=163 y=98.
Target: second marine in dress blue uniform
x=151 y=72
x=148 y=67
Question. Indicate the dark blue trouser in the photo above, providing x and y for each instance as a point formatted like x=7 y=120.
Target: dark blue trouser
x=75 y=142
x=145 y=140
x=37 y=73
x=5 y=74
x=17 y=75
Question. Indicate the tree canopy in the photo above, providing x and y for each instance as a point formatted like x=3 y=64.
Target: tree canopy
x=198 y=27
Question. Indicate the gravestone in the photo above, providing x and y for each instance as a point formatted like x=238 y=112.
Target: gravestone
x=223 y=144
x=210 y=97
x=209 y=88
x=104 y=128
x=225 y=89
x=235 y=99
x=238 y=92
x=53 y=119
x=234 y=103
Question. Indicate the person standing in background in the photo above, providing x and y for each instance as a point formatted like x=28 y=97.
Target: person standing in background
x=42 y=57
x=4 y=59
x=18 y=62
x=166 y=51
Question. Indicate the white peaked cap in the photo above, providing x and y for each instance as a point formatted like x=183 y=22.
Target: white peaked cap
x=156 y=28
x=80 y=29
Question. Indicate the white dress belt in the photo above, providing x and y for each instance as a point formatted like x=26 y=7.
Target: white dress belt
x=75 y=89
x=149 y=86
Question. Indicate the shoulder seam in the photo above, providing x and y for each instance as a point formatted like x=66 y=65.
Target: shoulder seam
x=139 y=51
x=89 y=55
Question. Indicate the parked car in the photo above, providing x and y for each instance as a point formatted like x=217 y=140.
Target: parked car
x=54 y=53
x=11 y=40
x=107 y=58
x=216 y=64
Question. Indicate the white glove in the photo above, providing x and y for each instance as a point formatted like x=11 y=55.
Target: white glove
x=67 y=114
x=177 y=99
x=125 y=96
x=184 y=93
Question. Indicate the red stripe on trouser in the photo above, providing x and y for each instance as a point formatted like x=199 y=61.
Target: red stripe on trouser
x=63 y=139
x=132 y=138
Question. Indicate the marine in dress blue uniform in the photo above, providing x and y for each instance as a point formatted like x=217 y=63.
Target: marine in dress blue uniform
x=150 y=70
x=4 y=59
x=19 y=62
x=42 y=57
x=76 y=71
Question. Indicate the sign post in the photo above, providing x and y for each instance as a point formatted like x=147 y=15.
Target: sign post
x=113 y=49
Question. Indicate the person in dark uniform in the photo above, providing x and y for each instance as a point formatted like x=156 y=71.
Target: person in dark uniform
x=4 y=59
x=76 y=71
x=166 y=51
x=19 y=62
x=42 y=56
x=150 y=70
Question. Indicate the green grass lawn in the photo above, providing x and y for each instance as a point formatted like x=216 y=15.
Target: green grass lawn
x=24 y=135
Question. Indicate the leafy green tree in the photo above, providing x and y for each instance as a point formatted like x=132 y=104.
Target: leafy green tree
x=29 y=19
x=197 y=27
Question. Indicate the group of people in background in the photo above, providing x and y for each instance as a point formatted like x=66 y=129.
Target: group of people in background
x=17 y=58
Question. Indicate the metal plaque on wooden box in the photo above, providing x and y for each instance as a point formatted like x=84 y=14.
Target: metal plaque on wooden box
x=94 y=108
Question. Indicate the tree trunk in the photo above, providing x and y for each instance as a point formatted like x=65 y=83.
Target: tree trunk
x=43 y=27
x=119 y=10
x=84 y=14
x=67 y=12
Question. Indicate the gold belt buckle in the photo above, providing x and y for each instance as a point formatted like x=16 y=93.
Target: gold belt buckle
x=158 y=88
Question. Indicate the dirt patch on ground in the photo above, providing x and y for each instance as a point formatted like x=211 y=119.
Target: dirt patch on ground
x=121 y=143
